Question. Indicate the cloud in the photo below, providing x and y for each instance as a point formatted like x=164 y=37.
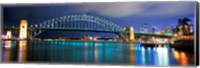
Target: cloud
x=139 y=8
x=171 y=9
x=113 y=9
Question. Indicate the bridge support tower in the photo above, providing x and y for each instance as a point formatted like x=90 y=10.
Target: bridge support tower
x=23 y=30
x=129 y=34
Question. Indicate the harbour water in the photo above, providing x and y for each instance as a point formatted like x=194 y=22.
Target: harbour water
x=92 y=52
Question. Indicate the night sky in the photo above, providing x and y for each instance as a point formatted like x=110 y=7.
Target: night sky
x=125 y=14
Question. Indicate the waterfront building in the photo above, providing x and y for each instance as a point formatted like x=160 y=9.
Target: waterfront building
x=167 y=30
x=191 y=28
x=154 y=30
x=145 y=26
x=183 y=28
x=8 y=35
x=172 y=27
x=142 y=29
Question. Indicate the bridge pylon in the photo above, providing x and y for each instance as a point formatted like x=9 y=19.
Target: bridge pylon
x=129 y=34
x=23 y=30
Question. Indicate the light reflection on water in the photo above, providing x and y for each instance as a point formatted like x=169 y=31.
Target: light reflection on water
x=132 y=59
x=22 y=51
x=181 y=58
x=92 y=52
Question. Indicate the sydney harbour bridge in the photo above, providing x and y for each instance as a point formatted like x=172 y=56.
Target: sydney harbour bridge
x=82 y=22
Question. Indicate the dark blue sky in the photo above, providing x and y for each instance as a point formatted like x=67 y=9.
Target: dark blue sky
x=124 y=14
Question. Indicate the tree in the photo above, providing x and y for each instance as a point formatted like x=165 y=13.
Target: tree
x=181 y=24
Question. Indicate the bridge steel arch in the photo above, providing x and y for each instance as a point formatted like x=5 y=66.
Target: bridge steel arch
x=77 y=23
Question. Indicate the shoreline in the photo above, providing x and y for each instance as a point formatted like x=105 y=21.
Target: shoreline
x=181 y=46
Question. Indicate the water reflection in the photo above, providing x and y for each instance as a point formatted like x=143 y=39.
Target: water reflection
x=7 y=51
x=93 y=52
x=162 y=54
x=96 y=53
x=143 y=56
x=85 y=51
x=7 y=54
x=22 y=51
x=132 y=56
x=181 y=57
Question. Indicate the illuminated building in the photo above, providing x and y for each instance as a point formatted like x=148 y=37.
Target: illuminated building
x=191 y=28
x=183 y=28
x=144 y=28
x=154 y=30
x=8 y=35
x=167 y=30
x=141 y=29
x=183 y=37
x=23 y=29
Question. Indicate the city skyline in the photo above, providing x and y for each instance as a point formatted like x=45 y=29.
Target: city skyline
x=122 y=33
x=123 y=14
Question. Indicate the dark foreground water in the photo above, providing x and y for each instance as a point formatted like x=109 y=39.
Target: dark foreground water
x=93 y=53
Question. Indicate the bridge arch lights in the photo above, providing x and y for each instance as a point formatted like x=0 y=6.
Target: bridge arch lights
x=77 y=22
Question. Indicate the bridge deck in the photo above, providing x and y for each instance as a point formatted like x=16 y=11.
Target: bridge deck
x=92 y=30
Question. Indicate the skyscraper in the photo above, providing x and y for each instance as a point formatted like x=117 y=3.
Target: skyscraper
x=154 y=29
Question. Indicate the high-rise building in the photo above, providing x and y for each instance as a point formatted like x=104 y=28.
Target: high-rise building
x=167 y=30
x=172 y=27
x=191 y=28
x=141 y=29
x=154 y=29
x=145 y=27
